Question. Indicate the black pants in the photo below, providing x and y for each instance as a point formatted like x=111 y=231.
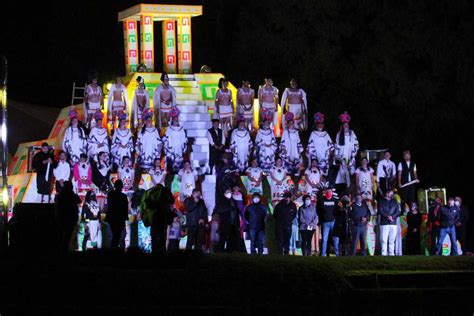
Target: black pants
x=341 y=189
x=283 y=236
x=359 y=233
x=228 y=237
x=461 y=236
x=306 y=237
x=385 y=185
x=413 y=241
x=117 y=229
x=42 y=185
x=158 y=239
x=215 y=156
x=195 y=238
x=59 y=188
x=173 y=245
x=66 y=234
x=408 y=194
x=434 y=236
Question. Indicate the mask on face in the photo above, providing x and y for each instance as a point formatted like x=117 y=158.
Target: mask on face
x=256 y=200
x=228 y=195
x=457 y=203
x=328 y=195
x=307 y=202
x=237 y=196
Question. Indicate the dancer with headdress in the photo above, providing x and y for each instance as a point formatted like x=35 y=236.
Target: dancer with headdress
x=320 y=145
x=268 y=100
x=122 y=141
x=175 y=142
x=117 y=102
x=141 y=101
x=164 y=99
x=148 y=146
x=347 y=144
x=224 y=105
x=245 y=97
x=93 y=98
x=297 y=104
x=265 y=144
x=241 y=145
x=75 y=139
x=291 y=147
x=98 y=138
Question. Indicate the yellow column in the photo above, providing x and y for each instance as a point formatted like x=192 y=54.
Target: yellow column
x=131 y=45
x=184 y=45
x=146 y=42
x=169 y=46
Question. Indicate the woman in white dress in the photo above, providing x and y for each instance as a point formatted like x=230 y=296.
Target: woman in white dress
x=320 y=144
x=175 y=142
x=75 y=139
x=149 y=143
x=312 y=176
x=157 y=174
x=126 y=173
x=254 y=174
x=291 y=147
x=347 y=145
x=279 y=184
x=187 y=178
x=241 y=145
x=98 y=138
x=265 y=145
x=122 y=141
x=141 y=102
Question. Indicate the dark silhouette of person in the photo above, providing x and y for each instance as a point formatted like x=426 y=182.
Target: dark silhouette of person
x=117 y=212
x=67 y=214
x=229 y=222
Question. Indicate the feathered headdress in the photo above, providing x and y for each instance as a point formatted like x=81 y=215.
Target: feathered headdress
x=147 y=114
x=122 y=116
x=319 y=117
x=98 y=115
x=345 y=117
x=289 y=116
x=73 y=114
x=174 y=112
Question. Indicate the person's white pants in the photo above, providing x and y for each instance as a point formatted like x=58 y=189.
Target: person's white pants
x=95 y=232
x=389 y=234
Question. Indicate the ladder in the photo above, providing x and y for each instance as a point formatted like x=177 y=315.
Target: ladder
x=74 y=97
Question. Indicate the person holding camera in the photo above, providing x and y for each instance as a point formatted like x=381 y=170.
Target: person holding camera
x=196 y=218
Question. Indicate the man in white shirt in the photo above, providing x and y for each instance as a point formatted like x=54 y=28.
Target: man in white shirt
x=407 y=178
x=386 y=171
x=62 y=172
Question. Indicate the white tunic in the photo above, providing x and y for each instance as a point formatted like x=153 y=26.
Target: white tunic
x=157 y=176
x=241 y=145
x=188 y=182
x=74 y=143
x=149 y=146
x=122 y=145
x=365 y=184
x=279 y=173
x=255 y=173
x=98 y=141
x=266 y=147
x=127 y=175
x=313 y=175
x=319 y=147
x=175 y=142
x=350 y=148
x=291 y=149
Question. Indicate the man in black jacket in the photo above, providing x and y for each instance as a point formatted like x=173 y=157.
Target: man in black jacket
x=327 y=210
x=117 y=212
x=43 y=164
x=229 y=222
x=284 y=213
x=434 y=225
x=359 y=215
x=389 y=211
x=448 y=216
x=67 y=213
x=256 y=214
x=196 y=217
x=461 y=224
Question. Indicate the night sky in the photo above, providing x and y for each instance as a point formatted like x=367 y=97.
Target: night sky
x=404 y=72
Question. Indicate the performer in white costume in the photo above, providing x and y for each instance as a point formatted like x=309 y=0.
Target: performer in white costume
x=117 y=101
x=313 y=178
x=297 y=104
x=241 y=145
x=141 y=101
x=320 y=145
x=75 y=139
x=148 y=146
x=82 y=174
x=265 y=145
x=187 y=177
x=365 y=180
x=291 y=147
x=224 y=105
x=245 y=97
x=157 y=174
x=126 y=173
x=254 y=174
x=175 y=142
x=122 y=141
x=279 y=183
x=268 y=100
x=91 y=214
x=98 y=138
x=348 y=145
x=164 y=99
x=93 y=98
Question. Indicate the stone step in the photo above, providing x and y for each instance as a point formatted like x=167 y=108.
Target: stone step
x=182 y=90
x=181 y=76
x=187 y=96
x=196 y=125
x=194 y=117
x=197 y=133
x=203 y=141
x=199 y=156
x=193 y=108
x=183 y=83
x=200 y=148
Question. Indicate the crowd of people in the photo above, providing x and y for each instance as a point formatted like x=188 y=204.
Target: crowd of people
x=321 y=187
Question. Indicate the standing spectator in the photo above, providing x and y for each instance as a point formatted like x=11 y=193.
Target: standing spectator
x=91 y=214
x=307 y=220
x=284 y=213
x=413 y=233
x=174 y=234
x=62 y=172
x=67 y=213
x=327 y=217
x=214 y=232
x=229 y=222
x=196 y=217
x=461 y=223
x=117 y=212
x=434 y=225
x=407 y=174
x=256 y=215
x=448 y=217
x=389 y=211
x=359 y=215
x=43 y=164
x=341 y=225
x=385 y=175
x=216 y=139
x=364 y=179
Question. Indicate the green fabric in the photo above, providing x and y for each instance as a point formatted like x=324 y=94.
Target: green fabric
x=148 y=204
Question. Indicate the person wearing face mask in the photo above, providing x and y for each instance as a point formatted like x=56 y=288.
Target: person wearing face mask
x=284 y=213
x=389 y=211
x=196 y=217
x=307 y=221
x=256 y=214
x=434 y=224
x=448 y=217
x=229 y=222
x=359 y=215
x=413 y=231
x=461 y=224
x=327 y=216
